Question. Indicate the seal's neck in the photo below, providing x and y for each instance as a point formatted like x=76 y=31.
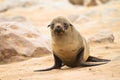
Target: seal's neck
x=60 y=37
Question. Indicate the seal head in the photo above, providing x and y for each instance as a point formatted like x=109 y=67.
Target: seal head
x=59 y=25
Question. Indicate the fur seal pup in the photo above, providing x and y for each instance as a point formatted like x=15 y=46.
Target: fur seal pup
x=69 y=47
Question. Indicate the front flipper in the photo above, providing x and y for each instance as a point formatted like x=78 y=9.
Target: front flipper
x=47 y=69
x=84 y=63
x=57 y=64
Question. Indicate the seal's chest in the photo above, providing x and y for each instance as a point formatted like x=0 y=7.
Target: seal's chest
x=66 y=51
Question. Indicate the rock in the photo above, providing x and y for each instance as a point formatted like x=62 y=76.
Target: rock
x=6 y=4
x=3 y=8
x=1 y=56
x=77 y=18
x=22 y=39
x=2 y=19
x=73 y=17
x=102 y=36
x=77 y=2
x=88 y=2
x=104 y=1
x=18 y=18
x=13 y=18
x=14 y=59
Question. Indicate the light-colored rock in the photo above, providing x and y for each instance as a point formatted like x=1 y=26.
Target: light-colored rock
x=73 y=17
x=76 y=18
x=77 y=2
x=104 y=1
x=2 y=19
x=33 y=4
x=13 y=18
x=18 y=18
x=6 y=4
x=1 y=56
x=88 y=2
x=22 y=39
x=102 y=36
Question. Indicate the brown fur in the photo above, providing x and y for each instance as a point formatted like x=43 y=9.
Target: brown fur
x=69 y=47
x=67 y=44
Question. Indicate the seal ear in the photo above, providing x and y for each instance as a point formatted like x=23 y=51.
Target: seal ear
x=49 y=25
x=71 y=25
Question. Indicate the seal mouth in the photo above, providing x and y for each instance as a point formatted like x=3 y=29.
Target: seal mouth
x=59 y=31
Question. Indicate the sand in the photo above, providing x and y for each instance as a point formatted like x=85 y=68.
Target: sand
x=41 y=17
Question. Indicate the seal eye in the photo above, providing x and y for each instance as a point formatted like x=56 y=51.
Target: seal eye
x=65 y=25
x=52 y=26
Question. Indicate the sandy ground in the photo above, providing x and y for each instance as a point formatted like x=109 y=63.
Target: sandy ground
x=41 y=17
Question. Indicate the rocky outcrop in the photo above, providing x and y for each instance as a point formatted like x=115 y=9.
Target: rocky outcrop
x=77 y=2
x=102 y=36
x=22 y=39
x=6 y=4
x=88 y=2
x=13 y=18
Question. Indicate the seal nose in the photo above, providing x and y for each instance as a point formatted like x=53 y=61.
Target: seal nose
x=58 y=27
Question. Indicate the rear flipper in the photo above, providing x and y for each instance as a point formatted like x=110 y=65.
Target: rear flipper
x=95 y=59
x=87 y=64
